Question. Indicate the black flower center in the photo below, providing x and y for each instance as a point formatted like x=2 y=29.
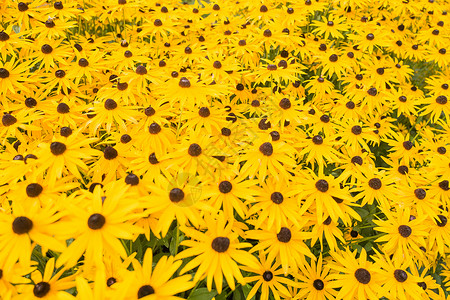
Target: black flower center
x=141 y=70
x=267 y=276
x=46 y=49
x=266 y=149
x=353 y=233
x=403 y=170
x=442 y=221
x=176 y=195
x=145 y=290
x=423 y=285
x=225 y=187
x=204 y=112
x=404 y=230
x=333 y=58
x=441 y=100
x=65 y=131
x=375 y=183
x=285 y=103
x=4 y=73
x=194 y=150
x=275 y=136
x=58 y=5
x=444 y=185
x=57 y=148
x=407 y=145
x=154 y=128
x=357 y=160
x=356 y=130
x=60 y=74
x=132 y=179
x=317 y=140
x=63 y=108
x=34 y=190
x=110 y=104
x=125 y=138
x=184 y=82
x=96 y=221
x=284 y=235
x=22 y=6
x=420 y=193
x=370 y=36
x=322 y=185
x=110 y=281
x=30 y=102
x=220 y=244
x=350 y=105
x=22 y=225
x=362 y=275
x=8 y=120
x=152 y=159
x=41 y=289
x=226 y=131
x=318 y=284
x=277 y=197
x=441 y=150
x=400 y=275
x=372 y=91
x=110 y=153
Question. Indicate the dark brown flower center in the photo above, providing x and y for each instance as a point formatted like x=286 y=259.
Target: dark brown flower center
x=34 y=190
x=356 y=130
x=63 y=108
x=317 y=140
x=22 y=225
x=400 y=275
x=4 y=73
x=403 y=170
x=285 y=103
x=225 y=187
x=58 y=5
x=318 y=284
x=441 y=100
x=184 y=82
x=284 y=235
x=41 y=289
x=57 y=148
x=267 y=276
x=266 y=149
x=46 y=49
x=322 y=185
x=8 y=120
x=220 y=244
x=363 y=276
x=407 y=145
x=110 y=153
x=96 y=221
x=65 y=131
x=444 y=185
x=176 y=195
x=375 y=183
x=145 y=290
x=420 y=193
x=110 y=104
x=277 y=197
x=154 y=128
x=132 y=179
x=404 y=230
x=204 y=112
x=141 y=70
x=60 y=74
x=194 y=150
x=442 y=221
x=110 y=281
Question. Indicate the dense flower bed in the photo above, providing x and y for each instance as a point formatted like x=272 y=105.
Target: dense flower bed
x=229 y=149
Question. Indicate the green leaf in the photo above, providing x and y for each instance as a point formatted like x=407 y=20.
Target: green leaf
x=202 y=294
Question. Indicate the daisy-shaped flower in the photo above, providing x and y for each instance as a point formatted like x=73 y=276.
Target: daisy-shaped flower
x=217 y=253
